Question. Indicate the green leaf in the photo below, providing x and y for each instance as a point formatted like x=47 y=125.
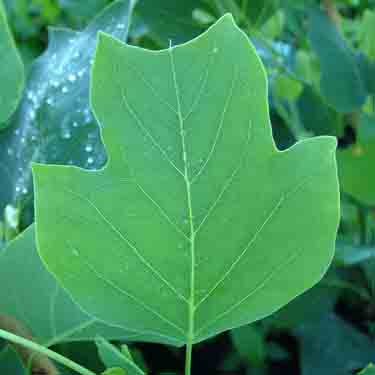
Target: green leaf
x=355 y=166
x=250 y=344
x=195 y=221
x=316 y=116
x=333 y=347
x=35 y=300
x=341 y=83
x=369 y=370
x=114 y=371
x=81 y=11
x=259 y=11
x=287 y=88
x=54 y=123
x=112 y=357
x=170 y=20
x=10 y=362
x=367 y=33
x=12 y=71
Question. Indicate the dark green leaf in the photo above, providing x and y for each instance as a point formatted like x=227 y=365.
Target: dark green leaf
x=333 y=347
x=341 y=82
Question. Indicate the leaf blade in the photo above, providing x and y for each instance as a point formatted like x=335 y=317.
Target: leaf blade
x=204 y=179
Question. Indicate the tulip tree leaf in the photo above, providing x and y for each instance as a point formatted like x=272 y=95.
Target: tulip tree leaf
x=50 y=314
x=195 y=224
x=12 y=71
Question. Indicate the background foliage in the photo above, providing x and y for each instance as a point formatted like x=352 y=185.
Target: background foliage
x=320 y=59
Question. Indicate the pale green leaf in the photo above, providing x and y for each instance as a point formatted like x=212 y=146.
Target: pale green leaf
x=195 y=225
x=33 y=298
x=112 y=357
x=12 y=71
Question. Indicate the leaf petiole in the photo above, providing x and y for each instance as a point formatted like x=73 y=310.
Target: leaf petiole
x=42 y=350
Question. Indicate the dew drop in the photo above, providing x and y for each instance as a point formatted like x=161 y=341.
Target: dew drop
x=55 y=84
x=49 y=101
x=10 y=151
x=81 y=73
x=121 y=26
x=64 y=90
x=66 y=134
x=75 y=124
x=90 y=160
x=75 y=253
x=72 y=78
x=88 y=148
x=32 y=114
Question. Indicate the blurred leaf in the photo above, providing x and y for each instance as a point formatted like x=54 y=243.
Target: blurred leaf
x=353 y=255
x=115 y=371
x=286 y=87
x=54 y=123
x=11 y=72
x=259 y=11
x=367 y=71
x=307 y=307
x=333 y=347
x=274 y=26
x=341 y=82
x=250 y=343
x=150 y=276
x=366 y=128
x=367 y=33
x=10 y=363
x=307 y=68
x=171 y=21
x=82 y=11
x=316 y=116
x=34 y=299
x=357 y=173
x=112 y=357
x=369 y=370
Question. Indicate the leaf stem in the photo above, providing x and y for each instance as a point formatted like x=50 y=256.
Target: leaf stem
x=42 y=350
x=188 y=355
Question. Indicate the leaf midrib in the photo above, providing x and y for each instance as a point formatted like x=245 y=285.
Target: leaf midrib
x=191 y=299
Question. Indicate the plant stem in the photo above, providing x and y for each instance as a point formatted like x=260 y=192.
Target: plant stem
x=189 y=349
x=42 y=350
